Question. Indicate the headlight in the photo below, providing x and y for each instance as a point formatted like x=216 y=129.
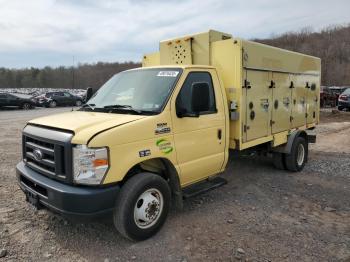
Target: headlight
x=90 y=164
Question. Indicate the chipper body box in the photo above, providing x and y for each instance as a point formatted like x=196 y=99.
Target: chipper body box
x=270 y=91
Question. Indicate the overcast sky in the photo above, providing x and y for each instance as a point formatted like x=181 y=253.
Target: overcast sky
x=47 y=32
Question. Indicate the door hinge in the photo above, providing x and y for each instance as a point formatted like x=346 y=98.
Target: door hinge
x=245 y=128
x=291 y=119
x=272 y=122
x=306 y=115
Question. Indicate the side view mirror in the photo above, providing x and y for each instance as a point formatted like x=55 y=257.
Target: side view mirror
x=89 y=93
x=199 y=98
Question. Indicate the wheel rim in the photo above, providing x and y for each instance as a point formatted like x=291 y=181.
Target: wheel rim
x=148 y=208
x=53 y=104
x=78 y=103
x=301 y=154
x=26 y=106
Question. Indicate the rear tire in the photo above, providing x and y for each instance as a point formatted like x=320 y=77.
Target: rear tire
x=340 y=108
x=279 y=160
x=52 y=104
x=142 y=206
x=295 y=161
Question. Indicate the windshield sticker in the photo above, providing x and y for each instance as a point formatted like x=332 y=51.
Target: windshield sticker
x=168 y=73
x=164 y=146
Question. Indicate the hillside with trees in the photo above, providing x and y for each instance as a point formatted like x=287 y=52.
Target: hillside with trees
x=332 y=45
x=79 y=77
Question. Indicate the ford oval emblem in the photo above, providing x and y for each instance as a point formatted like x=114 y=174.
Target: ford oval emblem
x=38 y=155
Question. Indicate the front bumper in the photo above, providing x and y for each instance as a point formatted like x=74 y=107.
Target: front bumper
x=344 y=103
x=42 y=103
x=68 y=200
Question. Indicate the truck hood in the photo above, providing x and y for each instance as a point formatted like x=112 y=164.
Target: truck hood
x=85 y=124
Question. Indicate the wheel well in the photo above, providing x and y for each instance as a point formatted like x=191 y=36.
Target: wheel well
x=164 y=168
x=286 y=148
x=303 y=135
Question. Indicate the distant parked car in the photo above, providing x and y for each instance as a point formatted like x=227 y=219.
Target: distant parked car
x=328 y=97
x=53 y=99
x=344 y=100
x=16 y=100
x=338 y=90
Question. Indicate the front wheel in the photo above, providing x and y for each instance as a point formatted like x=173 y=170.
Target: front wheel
x=295 y=161
x=26 y=106
x=142 y=206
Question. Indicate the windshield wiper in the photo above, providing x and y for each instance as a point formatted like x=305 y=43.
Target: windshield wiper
x=118 y=106
x=91 y=106
x=130 y=109
x=123 y=107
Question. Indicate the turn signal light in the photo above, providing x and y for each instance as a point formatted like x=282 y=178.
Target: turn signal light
x=100 y=162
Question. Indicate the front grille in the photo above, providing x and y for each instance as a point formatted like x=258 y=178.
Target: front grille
x=46 y=156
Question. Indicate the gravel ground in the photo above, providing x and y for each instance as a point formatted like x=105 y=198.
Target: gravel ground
x=262 y=214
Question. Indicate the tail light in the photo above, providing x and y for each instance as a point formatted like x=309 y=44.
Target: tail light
x=343 y=97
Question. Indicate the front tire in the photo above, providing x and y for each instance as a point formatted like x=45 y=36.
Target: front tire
x=142 y=206
x=295 y=161
x=78 y=103
x=26 y=106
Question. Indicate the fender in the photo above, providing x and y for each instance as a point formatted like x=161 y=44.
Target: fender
x=286 y=148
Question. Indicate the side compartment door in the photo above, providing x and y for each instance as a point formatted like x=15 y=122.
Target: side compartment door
x=298 y=101
x=257 y=95
x=281 y=97
x=312 y=90
x=199 y=139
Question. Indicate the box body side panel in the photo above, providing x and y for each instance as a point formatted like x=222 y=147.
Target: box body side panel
x=226 y=56
x=152 y=59
x=282 y=84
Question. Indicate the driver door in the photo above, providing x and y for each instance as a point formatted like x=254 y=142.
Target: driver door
x=199 y=141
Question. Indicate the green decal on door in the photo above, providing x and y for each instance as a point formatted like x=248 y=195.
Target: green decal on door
x=164 y=145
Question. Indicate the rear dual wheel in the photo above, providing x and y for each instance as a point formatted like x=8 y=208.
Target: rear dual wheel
x=295 y=161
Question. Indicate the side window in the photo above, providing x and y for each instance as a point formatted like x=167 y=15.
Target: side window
x=184 y=98
x=67 y=95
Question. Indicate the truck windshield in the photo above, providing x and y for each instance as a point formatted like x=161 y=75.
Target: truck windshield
x=136 y=91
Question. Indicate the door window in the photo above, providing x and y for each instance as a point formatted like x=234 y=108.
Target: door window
x=184 y=99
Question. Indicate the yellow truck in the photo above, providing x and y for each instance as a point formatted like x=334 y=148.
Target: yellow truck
x=155 y=135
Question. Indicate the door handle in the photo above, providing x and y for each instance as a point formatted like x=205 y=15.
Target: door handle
x=219 y=134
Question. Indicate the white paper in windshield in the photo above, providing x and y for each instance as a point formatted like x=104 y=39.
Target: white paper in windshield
x=168 y=73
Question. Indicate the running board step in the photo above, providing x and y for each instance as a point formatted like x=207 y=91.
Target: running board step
x=203 y=186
